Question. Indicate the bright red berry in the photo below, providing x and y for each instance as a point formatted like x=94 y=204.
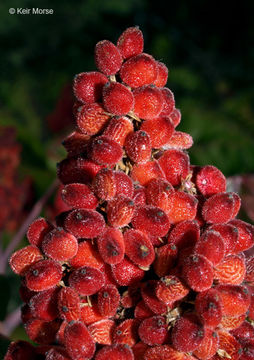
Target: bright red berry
x=107 y=57
x=117 y=98
x=130 y=42
x=148 y=102
x=87 y=86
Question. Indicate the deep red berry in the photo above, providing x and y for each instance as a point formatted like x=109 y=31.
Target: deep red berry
x=43 y=275
x=138 y=146
x=107 y=57
x=84 y=223
x=87 y=86
x=153 y=331
x=162 y=75
x=60 y=245
x=37 y=230
x=104 y=184
x=124 y=184
x=79 y=196
x=148 y=292
x=23 y=258
x=158 y=193
x=246 y=235
x=118 y=128
x=126 y=273
x=166 y=256
x=235 y=299
x=184 y=234
x=120 y=211
x=115 y=352
x=108 y=299
x=105 y=151
x=91 y=118
x=117 y=99
x=111 y=246
x=176 y=166
x=68 y=303
x=143 y=173
x=148 y=102
x=42 y=332
x=87 y=255
x=20 y=350
x=168 y=102
x=139 y=70
x=86 y=280
x=102 y=331
x=211 y=245
x=151 y=219
x=209 y=345
x=210 y=181
x=208 y=307
x=78 y=341
x=43 y=305
x=159 y=129
x=130 y=42
x=182 y=207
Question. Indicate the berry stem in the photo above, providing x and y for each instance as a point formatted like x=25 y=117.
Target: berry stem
x=37 y=208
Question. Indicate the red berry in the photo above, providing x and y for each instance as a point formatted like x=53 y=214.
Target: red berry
x=249 y=276
x=165 y=259
x=120 y=211
x=151 y=219
x=108 y=299
x=87 y=86
x=111 y=246
x=43 y=275
x=124 y=184
x=170 y=289
x=246 y=235
x=42 y=332
x=60 y=245
x=68 y=304
x=138 y=146
x=176 y=166
x=77 y=170
x=232 y=322
x=184 y=234
x=87 y=255
x=229 y=234
x=126 y=332
x=104 y=184
x=229 y=345
x=23 y=258
x=118 y=128
x=148 y=102
x=198 y=272
x=20 y=350
x=159 y=129
x=163 y=352
x=56 y=354
x=84 y=223
x=79 y=196
x=143 y=173
x=162 y=75
x=211 y=245
x=86 y=280
x=90 y=312
x=219 y=208
x=182 y=207
x=107 y=57
x=102 y=331
x=43 y=305
x=78 y=341
x=179 y=141
x=153 y=330
x=142 y=311
x=139 y=350
x=208 y=346
x=187 y=333
x=37 y=230
x=126 y=273
x=115 y=352
x=209 y=308
x=91 y=118
x=75 y=143
x=210 y=181
x=138 y=248
x=130 y=42
x=168 y=102
x=175 y=117
x=244 y=332
x=148 y=292
x=235 y=299
x=117 y=98
x=139 y=70
x=139 y=195
x=231 y=270
x=158 y=193
x=105 y=151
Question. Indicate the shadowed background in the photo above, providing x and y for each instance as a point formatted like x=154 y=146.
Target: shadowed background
x=208 y=49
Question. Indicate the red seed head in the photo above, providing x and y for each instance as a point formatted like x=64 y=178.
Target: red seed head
x=87 y=86
x=84 y=223
x=117 y=98
x=211 y=245
x=108 y=299
x=107 y=57
x=86 y=280
x=78 y=341
x=87 y=255
x=105 y=151
x=148 y=102
x=43 y=275
x=130 y=42
x=68 y=303
x=60 y=245
x=143 y=173
x=209 y=308
x=139 y=70
x=138 y=146
x=104 y=184
x=126 y=273
x=153 y=331
x=120 y=211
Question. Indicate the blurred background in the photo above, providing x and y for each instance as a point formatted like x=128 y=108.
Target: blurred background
x=208 y=48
